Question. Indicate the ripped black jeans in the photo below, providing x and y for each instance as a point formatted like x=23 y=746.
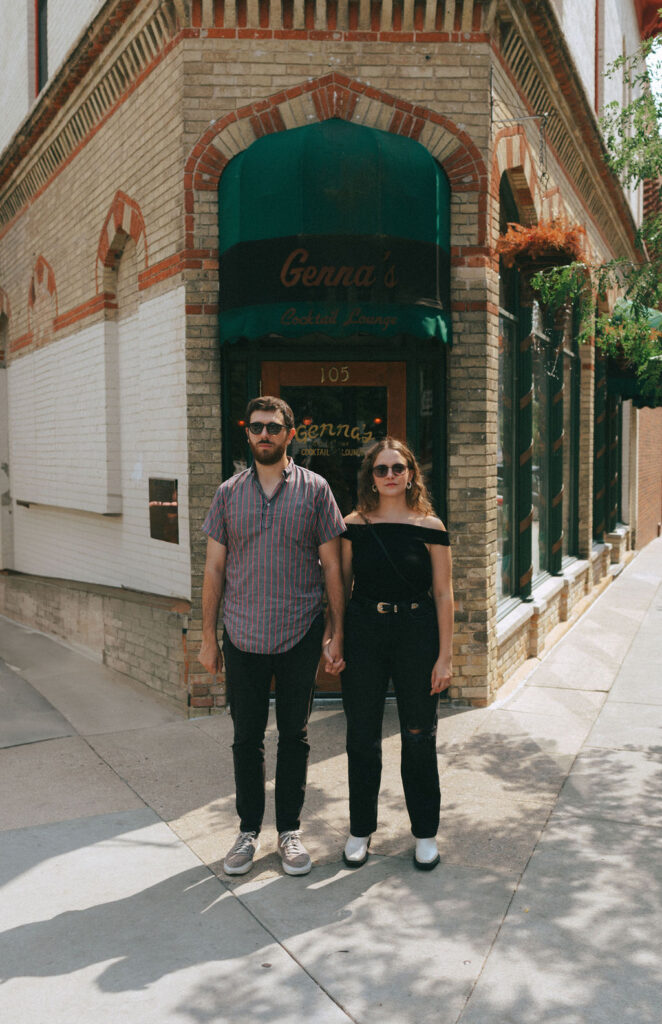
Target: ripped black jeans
x=401 y=646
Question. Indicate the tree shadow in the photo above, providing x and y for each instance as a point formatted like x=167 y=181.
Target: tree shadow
x=387 y=943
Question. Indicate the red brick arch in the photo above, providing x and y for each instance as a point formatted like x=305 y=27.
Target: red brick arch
x=320 y=99
x=123 y=219
x=43 y=277
x=42 y=303
x=512 y=155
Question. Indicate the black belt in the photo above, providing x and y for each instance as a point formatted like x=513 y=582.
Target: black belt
x=391 y=607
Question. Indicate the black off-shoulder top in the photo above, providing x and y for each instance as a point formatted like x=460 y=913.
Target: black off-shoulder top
x=374 y=575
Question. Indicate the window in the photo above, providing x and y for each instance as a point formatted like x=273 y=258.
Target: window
x=570 y=442
x=540 y=470
x=507 y=424
x=163 y=510
x=506 y=458
x=41 y=39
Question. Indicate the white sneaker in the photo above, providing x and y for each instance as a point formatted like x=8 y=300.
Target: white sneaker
x=426 y=854
x=356 y=851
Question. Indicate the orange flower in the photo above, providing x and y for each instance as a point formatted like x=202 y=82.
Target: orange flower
x=541 y=241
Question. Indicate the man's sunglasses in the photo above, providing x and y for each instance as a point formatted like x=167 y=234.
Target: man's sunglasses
x=272 y=429
x=398 y=468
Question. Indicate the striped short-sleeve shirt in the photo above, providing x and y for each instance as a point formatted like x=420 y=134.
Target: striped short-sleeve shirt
x=273 y=577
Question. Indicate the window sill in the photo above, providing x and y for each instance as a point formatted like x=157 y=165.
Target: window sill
x=507 y=605
x=574 y=569
x=513 y=621
x=546 y=591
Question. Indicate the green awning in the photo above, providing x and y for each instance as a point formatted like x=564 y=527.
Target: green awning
x=334 y=228
x=623 y=310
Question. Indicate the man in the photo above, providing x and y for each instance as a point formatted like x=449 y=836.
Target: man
x=273 y=542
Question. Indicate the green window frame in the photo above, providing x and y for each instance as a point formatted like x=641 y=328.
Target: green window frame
x=571 y=384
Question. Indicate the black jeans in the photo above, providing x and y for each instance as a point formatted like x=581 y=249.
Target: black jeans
x=248 y=682
x=403 y=646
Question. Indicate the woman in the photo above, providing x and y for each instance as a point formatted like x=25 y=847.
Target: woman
x=399 y=626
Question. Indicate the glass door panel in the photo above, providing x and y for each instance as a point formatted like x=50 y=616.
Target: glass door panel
x=340 y=411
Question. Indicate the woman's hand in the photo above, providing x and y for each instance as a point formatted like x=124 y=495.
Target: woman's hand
x=332 y=648
x=442 y=672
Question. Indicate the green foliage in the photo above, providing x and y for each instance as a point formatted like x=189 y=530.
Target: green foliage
x=633 y=343
x=634 y=152
x=567 y=288
x=631 y=132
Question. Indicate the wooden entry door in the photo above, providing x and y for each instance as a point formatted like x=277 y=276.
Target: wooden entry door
x=340 y=409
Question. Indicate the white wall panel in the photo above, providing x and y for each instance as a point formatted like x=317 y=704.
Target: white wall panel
x=66 y=21
x=15 y=67
x=113 y=550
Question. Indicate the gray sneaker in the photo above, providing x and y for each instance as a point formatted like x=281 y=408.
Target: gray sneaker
x=294 y=855
x=239 y=860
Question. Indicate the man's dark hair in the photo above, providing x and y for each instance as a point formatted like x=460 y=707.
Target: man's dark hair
x=269 y=403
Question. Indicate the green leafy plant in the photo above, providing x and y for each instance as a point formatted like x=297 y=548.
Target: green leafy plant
x=630 y=335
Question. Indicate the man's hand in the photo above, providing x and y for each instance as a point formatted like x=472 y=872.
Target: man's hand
x=332 y=647
x=212 y=591
x=210 y=656
x=332 y=641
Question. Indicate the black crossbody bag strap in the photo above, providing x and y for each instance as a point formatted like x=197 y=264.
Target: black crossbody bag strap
x=379 y=540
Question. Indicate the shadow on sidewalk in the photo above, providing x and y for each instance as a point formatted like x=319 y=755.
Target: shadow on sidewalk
x=386 y=942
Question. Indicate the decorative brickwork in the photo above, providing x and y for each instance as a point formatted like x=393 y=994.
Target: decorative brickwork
x=541 y=95
x=512 y=156
x=124 y=220
x=333 y=96
x=42 y=304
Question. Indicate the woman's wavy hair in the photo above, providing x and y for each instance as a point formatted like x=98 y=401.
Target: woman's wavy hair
x=417 y=496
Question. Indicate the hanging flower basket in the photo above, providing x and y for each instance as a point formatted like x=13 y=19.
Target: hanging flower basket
x=547 y=243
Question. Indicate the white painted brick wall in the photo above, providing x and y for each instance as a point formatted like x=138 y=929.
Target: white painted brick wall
x=15 y=68
x=620 y=31
x=59 y=447
x=578 y=21
x=118 y=551
x=66 y=20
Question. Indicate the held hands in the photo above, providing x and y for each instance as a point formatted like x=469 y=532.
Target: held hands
x=210 y=656
x=332 y=648
x=441 y=675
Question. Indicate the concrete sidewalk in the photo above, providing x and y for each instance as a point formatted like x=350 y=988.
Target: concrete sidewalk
x=547 y=908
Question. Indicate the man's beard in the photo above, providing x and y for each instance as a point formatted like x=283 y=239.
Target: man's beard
x=269 y=456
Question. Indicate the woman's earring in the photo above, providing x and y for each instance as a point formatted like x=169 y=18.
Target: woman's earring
x=374 y=488
x=409 y=485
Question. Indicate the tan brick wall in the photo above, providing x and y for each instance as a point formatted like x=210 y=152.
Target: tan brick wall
x=158 y=151
x=513 y=653
x=138 y=634
x=649 y=499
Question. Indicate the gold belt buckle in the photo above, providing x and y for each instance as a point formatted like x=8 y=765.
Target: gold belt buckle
x=383 y=607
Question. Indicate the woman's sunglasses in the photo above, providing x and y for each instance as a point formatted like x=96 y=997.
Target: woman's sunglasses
x=398 y=468
x=272 y=428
